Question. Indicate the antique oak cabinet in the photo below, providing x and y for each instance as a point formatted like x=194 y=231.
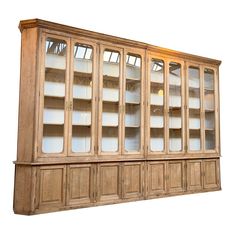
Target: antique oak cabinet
x=106 y=120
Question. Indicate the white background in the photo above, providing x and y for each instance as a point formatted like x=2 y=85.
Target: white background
x=205 y=28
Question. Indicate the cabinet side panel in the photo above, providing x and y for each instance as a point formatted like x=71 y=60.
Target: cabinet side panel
x=26 y=124
x=211 y=174
x=23 y=190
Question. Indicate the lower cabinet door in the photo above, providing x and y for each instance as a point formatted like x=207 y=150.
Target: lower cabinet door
x=194 y=175
x=156 y=178
x=80 y=184
x=108 y=182
x=51 y=184
x=132 y=180
x=176 y=176
x=211 y=174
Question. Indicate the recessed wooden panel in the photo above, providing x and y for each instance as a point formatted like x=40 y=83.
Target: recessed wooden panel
x=108 y=187
x=80 y=184
x=156 y=178
x=176 y=176
x=132 y=180
x=24 y=178
x=211 y=173
x=52 y=186
x=194 y=175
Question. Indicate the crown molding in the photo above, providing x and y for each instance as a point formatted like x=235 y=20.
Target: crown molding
x=32 y=23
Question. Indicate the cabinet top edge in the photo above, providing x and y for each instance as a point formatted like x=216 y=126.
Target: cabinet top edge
x=39 y=23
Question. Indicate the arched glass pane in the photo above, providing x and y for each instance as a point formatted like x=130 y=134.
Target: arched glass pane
x=54 y=96
x=132 y=103
x=175 y=107
x=194 y=106
x=157 y=93
x=82 y=98
x=209 y=107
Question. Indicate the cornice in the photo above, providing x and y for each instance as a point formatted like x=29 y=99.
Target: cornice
x=32 y=23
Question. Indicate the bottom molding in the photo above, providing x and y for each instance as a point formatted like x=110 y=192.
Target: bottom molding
x=64 y=187
x=66 y=208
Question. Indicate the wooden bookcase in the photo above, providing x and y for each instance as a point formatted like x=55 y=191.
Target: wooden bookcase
x=106 y=120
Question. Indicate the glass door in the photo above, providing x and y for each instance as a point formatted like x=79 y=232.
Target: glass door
x=54 y=96
x=133 y=103
x=175 y=106
x=110 y=101
x=157 y=105
x=82 y=111
x=194 y=109
x=209 y=110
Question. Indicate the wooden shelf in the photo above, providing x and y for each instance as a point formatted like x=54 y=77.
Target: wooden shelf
x=109 y=126
x=54 y=124
x=209 y=89
x=54 y=97
x=209 y=110
x=156 y=105
x=128 y=79
x=83 y=99
x=175 y=108
x=157 y=84
x=193 y=109
x=84 y=125
x=208 y=92
x=194 y=88
x=78 y=75
x=132 y=103
x=109 y=101
x=132 y=126
x=111 y=78
x=209 y=129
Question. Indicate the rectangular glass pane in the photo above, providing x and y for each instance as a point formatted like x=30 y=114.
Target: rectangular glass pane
x=110 y=101
x=132 y=103
x=157 y=106
x=82 y=98
x=194 y=109
x=209 y=106
x=54 y=96
x=175 y=108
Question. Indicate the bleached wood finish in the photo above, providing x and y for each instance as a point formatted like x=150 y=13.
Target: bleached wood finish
x=27 y=127
x=108 y=182
x=194 y=175
x=132 y=182
x=46 y=182
x=80 y=179
x=211 y=174
x=176 y=176
x=50 y=184
x=157 y=175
